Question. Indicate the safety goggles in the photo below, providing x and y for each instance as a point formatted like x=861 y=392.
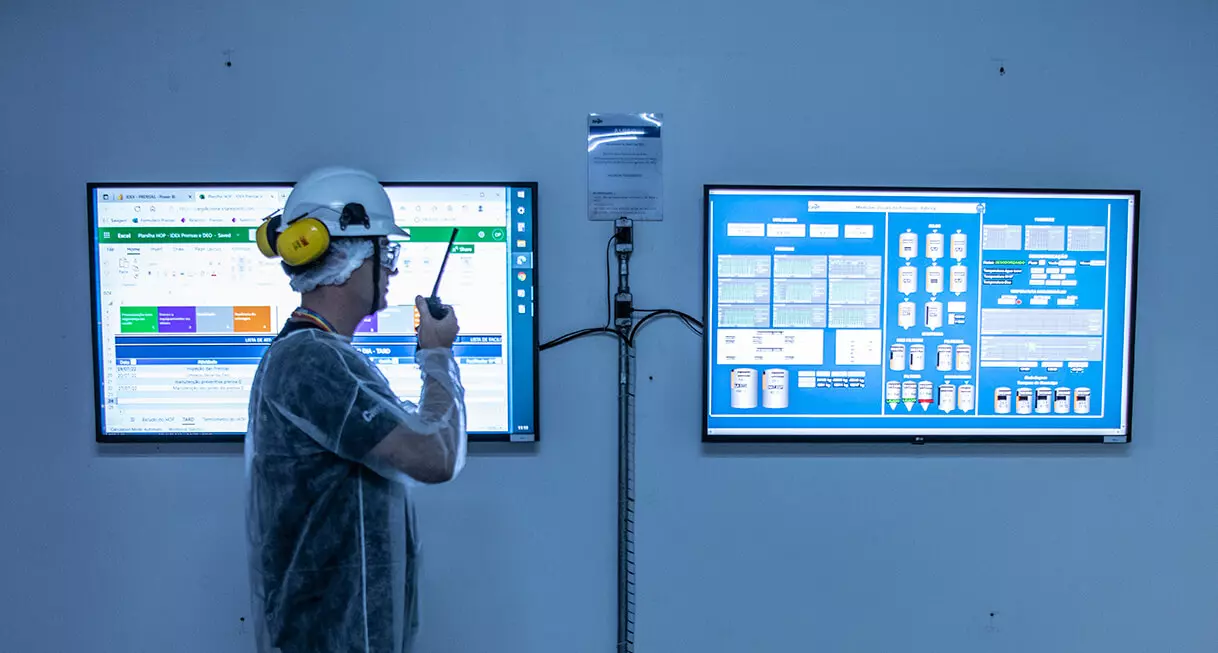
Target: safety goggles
x=389 y=255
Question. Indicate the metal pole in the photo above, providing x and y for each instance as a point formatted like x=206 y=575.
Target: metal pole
x=625 y=564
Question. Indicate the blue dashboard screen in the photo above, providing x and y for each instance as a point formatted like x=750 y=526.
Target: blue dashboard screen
x=918 y=314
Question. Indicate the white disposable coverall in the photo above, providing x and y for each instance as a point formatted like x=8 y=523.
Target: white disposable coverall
x=332 y=540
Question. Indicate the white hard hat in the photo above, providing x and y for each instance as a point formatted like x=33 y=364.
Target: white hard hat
x=332 y=196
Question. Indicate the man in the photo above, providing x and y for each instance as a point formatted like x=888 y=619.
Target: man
x=330 y=450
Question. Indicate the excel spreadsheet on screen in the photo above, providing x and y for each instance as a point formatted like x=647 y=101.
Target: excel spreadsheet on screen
x=185 y=304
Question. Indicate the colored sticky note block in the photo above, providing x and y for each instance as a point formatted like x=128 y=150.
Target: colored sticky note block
x=367 y=325
x=397 y=320
x=176 y=319
x=137 y=319
x=251 y=319
x=214 y=319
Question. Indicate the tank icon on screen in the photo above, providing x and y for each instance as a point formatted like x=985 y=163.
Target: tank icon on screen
x=959 y=246
x=1023 y=401
x=1002 y=401
x=896 y=358
x=775 y=388
x=959 y=279
x=926 y=394
x=1061 y=401
x=744 y=388
x=934 y=315
x=905 y=315
x=934 y=279
x=934 y=246
x=966 y=398
x=909 y=245
x=1082 y=401
x=1044 y=401
x=947 y=397
x=907 y=279
x=909 y=394
x=964 y=358
x=943 y=358
x=892 y=393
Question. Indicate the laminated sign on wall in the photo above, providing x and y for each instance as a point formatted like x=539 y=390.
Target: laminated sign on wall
x=625 y=177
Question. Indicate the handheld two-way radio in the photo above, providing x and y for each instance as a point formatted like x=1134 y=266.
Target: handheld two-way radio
x=434 y=305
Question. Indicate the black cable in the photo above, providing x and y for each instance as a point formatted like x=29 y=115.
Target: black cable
x=685 y=317
x=607 y=329
x=575 y=335
x=690 y=322
x=608 y=281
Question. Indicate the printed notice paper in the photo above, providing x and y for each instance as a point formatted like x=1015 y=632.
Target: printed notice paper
x=625 y=166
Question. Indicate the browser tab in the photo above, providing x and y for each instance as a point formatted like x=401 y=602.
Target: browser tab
x=146 y=195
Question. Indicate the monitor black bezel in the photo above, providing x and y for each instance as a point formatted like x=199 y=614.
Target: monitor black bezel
x=914 y=438
x=220 y=438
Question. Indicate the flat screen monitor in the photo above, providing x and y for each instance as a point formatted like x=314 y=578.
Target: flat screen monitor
x=184 y=304
x=918 y=315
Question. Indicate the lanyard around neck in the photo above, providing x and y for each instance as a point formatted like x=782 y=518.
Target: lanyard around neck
x=320 y=322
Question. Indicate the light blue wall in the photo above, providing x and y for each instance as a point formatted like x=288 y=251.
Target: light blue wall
x=770 y=549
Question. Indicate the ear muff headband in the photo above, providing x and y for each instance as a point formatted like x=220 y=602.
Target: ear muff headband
x=301 y=243
x=376 y=277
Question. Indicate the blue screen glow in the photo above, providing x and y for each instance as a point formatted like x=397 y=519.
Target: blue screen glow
x=893 y=314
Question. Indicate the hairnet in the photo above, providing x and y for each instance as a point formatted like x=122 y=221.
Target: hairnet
x=343 y=257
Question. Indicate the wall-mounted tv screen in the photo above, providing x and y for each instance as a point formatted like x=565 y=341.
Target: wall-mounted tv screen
x=184 y=304
x=919 y=315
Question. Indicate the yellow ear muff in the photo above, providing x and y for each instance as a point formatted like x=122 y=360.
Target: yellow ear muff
x=263 y=236
x=303 y=242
